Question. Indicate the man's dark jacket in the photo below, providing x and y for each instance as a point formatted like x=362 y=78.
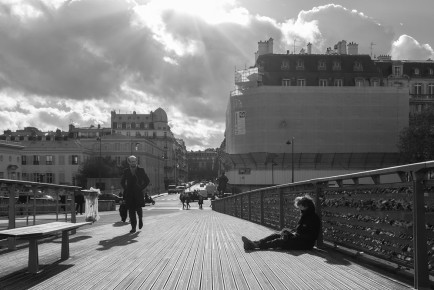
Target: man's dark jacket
x=133 y=186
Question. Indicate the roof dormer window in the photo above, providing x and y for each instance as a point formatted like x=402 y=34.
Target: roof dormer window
x=336 y=65
x=416 y=71
x=300 y=64
x=358 y=66
x=284 y=65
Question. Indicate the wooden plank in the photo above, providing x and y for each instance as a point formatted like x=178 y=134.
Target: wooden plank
x=185 y=250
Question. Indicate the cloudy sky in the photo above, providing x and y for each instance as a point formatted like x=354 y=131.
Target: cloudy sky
x=73 y=62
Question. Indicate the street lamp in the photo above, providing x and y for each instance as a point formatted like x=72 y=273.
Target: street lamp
x=292 y=157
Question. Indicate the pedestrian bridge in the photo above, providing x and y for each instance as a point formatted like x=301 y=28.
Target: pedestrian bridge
x=190 y=249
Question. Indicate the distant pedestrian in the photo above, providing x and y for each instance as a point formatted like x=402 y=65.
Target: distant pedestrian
x=187 y=200
x=134 y=182
x=222 y=182
x=304 y=236
x=79 y=200
x=63 y=202
x=200 y=201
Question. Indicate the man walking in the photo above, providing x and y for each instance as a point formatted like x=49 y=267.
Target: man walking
x=134 y=181
x=222 y=181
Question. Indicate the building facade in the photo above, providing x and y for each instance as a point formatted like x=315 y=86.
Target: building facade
x=10 y=160
x=301 y=116
x=155 y=128
x=56 y=157
x=203 y=165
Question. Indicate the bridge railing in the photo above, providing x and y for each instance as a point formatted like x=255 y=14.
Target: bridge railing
x=31 y=201
x=386 y=213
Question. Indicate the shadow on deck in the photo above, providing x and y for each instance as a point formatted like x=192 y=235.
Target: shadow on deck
x=185 y=250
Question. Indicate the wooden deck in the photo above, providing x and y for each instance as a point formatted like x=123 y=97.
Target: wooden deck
x=195 y=249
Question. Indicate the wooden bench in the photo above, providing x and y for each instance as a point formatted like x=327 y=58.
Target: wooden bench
x=37 y=232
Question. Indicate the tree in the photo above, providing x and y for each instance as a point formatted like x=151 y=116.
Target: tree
x=92 y=168
x=416 y=142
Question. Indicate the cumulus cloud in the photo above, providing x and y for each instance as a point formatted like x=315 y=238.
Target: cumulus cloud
x=408 y=48
x=65 y=62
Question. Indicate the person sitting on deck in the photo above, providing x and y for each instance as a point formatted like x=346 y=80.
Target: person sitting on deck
x=304 y=236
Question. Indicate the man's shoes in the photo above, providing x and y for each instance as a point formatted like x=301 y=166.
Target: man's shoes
x=133 y=231
x=248 y=244
x=140 y=224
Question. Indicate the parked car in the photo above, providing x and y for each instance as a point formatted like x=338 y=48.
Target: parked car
x=172 y=189
x=180 y=188
x=110 y=196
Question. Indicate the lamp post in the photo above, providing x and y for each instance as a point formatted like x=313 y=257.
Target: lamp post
x=272 y=171
x=99 y=162
x=291 y=142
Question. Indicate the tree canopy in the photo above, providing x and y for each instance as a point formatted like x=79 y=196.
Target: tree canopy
x=416 y=142
x=94 y=168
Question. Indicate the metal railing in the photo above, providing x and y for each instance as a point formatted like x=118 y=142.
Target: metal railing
x=25 y=203
x=386 y=213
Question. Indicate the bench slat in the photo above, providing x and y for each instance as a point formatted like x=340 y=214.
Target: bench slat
x=41 y=230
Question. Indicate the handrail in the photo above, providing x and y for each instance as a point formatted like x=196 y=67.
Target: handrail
x=15 y=186
x=381 y=212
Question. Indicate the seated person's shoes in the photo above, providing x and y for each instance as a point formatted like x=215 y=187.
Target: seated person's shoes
x=248 y=244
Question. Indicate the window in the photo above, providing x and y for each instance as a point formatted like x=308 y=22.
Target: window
x=301 y=82
x=431 y=89
x=375 y=83
x=417 y=89
x=119 y=126
x=397 y=71
x=300 y=64
x=360 y=82
x=35 y=177
x=322 y=82
x=284 y=65
x=358 y=66
x=49 y=159
x=133 y=125
x=74 y=159
x=336 y=65
x=338 y=83
x=321 y=65
x=25 y=176
x=138 y=133
x=2 y=175
x=128 y=125
x=36 y=160
x=416 y=71
x=286 y=82
x=50 y=178
x=61 y=177
x=431 y=71
x=24 y=160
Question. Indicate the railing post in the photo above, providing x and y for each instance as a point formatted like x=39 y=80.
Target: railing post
x=241 y=206
x=281 y=209
x=34 y=191
x=73 y=213
x=262 y=207
x=421 y=274
x=249 y=200
x=11 y=215
x=318 y=191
